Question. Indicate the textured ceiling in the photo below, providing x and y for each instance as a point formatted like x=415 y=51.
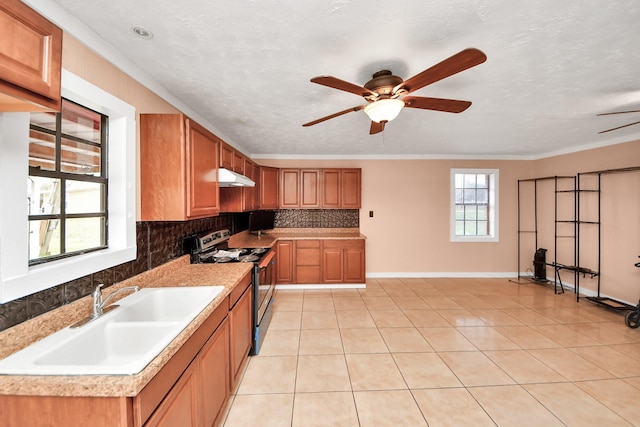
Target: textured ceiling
x=244 y=66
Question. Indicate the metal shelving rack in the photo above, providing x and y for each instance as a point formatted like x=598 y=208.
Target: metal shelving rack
x=571 y=190
x=605 y=301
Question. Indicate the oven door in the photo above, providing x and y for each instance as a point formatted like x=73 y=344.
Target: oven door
x=266 y=284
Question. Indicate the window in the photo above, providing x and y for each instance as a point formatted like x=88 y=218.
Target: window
x=474 y=205
x=67 y=184
x=20 y=277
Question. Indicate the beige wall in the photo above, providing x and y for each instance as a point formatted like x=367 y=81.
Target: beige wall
x=409 y=232
x=619 y=217
x=86 y=64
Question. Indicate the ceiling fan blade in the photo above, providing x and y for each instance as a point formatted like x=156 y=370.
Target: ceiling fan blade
x=315 y=122
x=438 y=104
x=620 y=127
x=342 y=85
x=618 y=112
x=459 y=62
x=376 y=127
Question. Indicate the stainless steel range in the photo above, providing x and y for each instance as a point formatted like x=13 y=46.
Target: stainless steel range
x=214 y=248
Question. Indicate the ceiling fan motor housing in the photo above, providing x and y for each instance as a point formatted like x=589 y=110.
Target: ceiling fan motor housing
x=383 y=83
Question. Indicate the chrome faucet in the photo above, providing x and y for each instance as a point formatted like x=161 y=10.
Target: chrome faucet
x=99 y=304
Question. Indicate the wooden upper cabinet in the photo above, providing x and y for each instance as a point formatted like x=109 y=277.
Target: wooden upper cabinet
x=299 y=188
x=202 y=185
x=30 y=59
x=289 y=188
x=309 y=188
x=226 y=156
x=238 y=162
x=331 y=188
x=178 y=169
x=269 y=187
x=351 y=185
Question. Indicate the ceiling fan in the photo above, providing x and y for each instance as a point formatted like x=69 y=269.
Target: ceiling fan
x=619 y=127
x=387 y=95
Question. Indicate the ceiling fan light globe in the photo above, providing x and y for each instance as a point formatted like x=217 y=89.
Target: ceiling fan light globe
x=384 y=110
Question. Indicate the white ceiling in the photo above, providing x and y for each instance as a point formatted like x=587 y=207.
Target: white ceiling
x=244 y=66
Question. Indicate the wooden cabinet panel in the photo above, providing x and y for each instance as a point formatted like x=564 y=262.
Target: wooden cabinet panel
x=214 y=369
x=30 y=59
x=238 y=162
x=332 y=265
x=249 y=193
x=269 y=187
x=180 y=407
x=226 y=156
x=240 y=322
x=343 y=261
x=202 y=158
x=351 y=188
x=309 y=188
x=178 y=173
x=285 y=261
x=331 y=188
x=257 y=188
x=354 y=269
x=308 y=261
x=289 y=188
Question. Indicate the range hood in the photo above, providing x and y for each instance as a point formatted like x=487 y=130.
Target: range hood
x=227 y=178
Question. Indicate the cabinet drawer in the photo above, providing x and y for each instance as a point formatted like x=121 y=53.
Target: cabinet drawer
x=308 y=243
x=237 y=292
x=350 y=243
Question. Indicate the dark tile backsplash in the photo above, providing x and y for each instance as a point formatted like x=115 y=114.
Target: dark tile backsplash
x=317 y=218
x=157 y=243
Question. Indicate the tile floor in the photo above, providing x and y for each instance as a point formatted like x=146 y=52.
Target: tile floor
x=441 y=352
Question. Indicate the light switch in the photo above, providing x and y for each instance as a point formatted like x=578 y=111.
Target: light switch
x=370 y=214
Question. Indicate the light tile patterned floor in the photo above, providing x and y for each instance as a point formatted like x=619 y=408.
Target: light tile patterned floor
x=441 y=352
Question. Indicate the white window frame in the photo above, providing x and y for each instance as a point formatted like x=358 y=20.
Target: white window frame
x=17 y=279
x=493 y=204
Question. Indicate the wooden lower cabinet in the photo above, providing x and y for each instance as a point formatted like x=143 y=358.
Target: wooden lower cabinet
x=285 y=261
x=308 y=261
x=180 y=407
x=191 y=389
x=213 y=366
x=240 y=322
x=320 y=261
x=343 y=261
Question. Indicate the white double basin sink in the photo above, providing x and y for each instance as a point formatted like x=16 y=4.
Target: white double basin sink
x=120 y=342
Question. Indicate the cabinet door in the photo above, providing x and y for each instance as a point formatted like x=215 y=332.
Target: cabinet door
x=308 y=259
x=214 y=385
x=240 y=321
x=202 y=185
x=226 y=156
x=257 y=188
x=269 y=184
x=31 y=64
x=351 y=188
x=180 y=406
x=238 y=162
x=284 y=262
x=310 y=188
x=331 y=188
x=332 y=265
x=248 y=193
x=289 y=188
x=354 y=270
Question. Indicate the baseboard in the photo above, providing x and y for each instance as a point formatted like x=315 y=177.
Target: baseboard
x=442 y=275
x=323 y=286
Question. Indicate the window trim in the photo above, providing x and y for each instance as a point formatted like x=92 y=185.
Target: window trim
x=17 y=279
x=494 y=190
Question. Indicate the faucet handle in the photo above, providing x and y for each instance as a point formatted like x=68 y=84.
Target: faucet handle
x=97 y=292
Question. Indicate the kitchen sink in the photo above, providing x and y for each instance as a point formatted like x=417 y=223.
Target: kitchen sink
x=120 y=342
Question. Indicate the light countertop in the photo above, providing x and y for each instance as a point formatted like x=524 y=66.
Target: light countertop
x=245 y=239
x=178 y=272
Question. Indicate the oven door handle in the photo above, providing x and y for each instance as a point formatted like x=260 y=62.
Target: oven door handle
x=264 y=263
